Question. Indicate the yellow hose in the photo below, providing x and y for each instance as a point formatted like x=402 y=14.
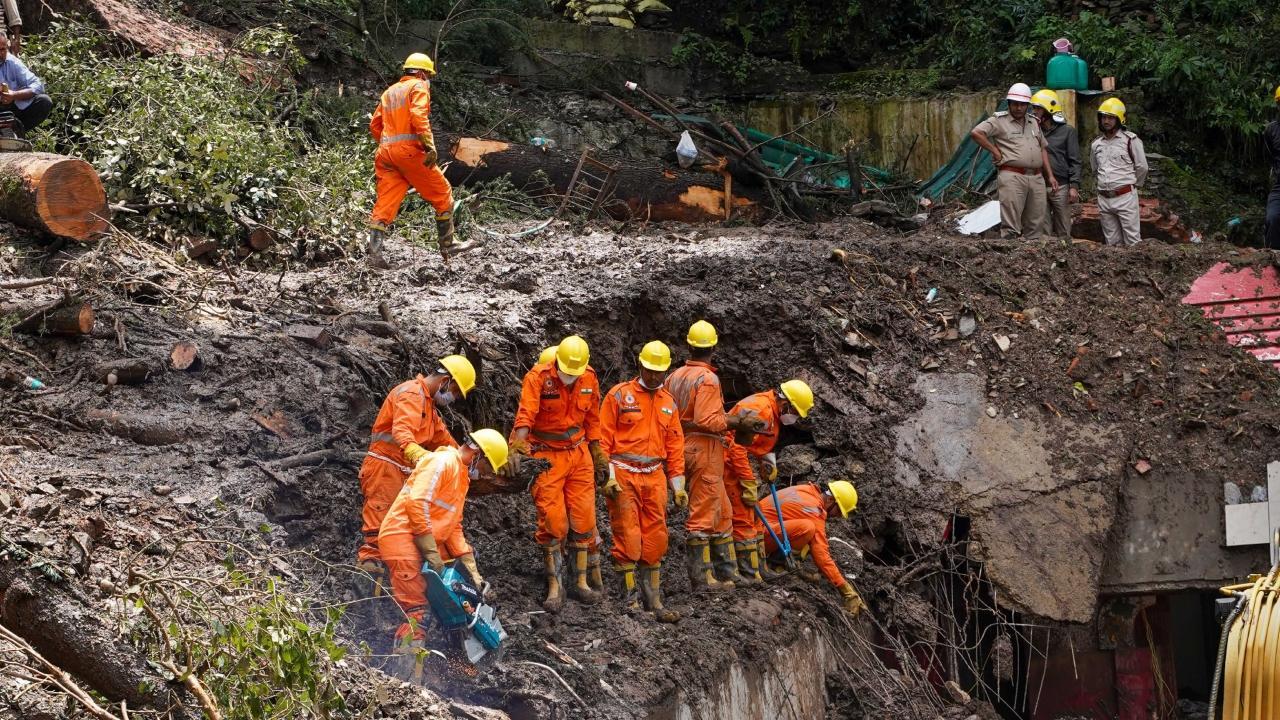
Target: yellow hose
x=1251 y=665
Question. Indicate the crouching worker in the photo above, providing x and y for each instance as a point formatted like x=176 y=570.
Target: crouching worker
x=804 y=518
x=640 y=431
x=424 y=524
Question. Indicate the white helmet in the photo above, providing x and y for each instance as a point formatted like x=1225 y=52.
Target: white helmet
x=1019 y=92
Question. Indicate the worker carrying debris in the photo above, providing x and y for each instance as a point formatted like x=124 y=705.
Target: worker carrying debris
x=1020 y=153
x=1121 y=164
x=1064 y=161
x=21 y=92
x=559 y=420
x=407 y=157
x=713 y=564
x=1271 y=141
x=640 y=432
x=423 y=527
x=407 y=427
x=802 y=526
x=773 y=409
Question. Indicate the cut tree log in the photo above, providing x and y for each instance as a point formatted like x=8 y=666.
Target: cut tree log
x=257 y=236
x=64 y=317
x=313 y=335
x=645 y=189
x=185 y=355
x=142 y=430
x=56 y=194
x=130 y=371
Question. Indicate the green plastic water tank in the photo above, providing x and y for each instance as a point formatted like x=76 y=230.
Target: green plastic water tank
x=1067 y=72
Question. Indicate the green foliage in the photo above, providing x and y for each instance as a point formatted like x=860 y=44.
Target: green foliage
x=809 y=28
x=888 y=82
x=739 y=66
x=619 y=13
x=200 y=145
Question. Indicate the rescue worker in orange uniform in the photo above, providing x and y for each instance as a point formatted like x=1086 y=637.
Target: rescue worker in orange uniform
x=696 y=388
x=785 y=405
x=559 y=421
x=407 y=427
x=424 y=524
x=804 y=512
x=640 y=431
x=407 y=158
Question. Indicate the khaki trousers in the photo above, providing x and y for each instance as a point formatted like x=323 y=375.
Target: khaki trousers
x=1119 y=215
x=1057 y=220
x=1022 y=204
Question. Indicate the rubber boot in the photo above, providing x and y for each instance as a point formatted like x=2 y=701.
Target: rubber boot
x=370 y=580
x=769 y=574
x=449 y=246
x=748 y=564
x=377 y=236
x=554 y=560
x=627 y=584
x=581 y=590
x=651 y=590
x=701 y=576
x=725 y=562
x=408 y=650
x=594 y=578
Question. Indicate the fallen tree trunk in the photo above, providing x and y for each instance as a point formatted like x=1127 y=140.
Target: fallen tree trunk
x=131 y=371
x=144 y=431
x=64 y=316
x=56 y=194
x=68 y=633
x=646 y=189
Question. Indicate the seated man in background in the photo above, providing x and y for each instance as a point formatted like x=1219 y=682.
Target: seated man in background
x=21 y=91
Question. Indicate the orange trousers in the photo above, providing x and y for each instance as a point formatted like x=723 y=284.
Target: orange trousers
x=799 y=533
x=380 y=482
x=404 y=565
x=710 y=513
x=746 y=526
x=638 y=516
x=565 y=496
x=397 y=166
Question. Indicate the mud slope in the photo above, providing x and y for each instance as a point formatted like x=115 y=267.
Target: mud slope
x=200 y=452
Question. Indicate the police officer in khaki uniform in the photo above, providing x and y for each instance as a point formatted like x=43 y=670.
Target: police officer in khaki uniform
x=1121 y=165
x=1018 y=147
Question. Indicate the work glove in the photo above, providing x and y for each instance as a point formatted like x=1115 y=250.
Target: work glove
x=426 y=545
x=678 y=494
x=487 y=593
x=611 y=486
x=413 y=452
x=600 y=459
x=744 y=423
x=429 y=147
x=769 y=467
x=520 y=446
x=851 y=600
x=749 y=494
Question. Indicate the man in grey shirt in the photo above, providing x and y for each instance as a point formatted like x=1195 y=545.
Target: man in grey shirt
x=1064 y=158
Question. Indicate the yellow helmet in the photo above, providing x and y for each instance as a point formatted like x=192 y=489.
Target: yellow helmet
x=1278 y=93
x=846 y=496
x=1046 y=99
x=546 y=355
x=655 y=355
x=572 y=355
x=420 y=61
x=798 y=393
x=493 y=445
x=702 y=334
x=1112 y=107
x=462 y=371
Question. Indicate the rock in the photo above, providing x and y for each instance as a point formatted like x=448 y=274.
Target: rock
x=6 y=501
x=968 y=323
x=47 y=489
x=1142 y=466
x=81 y=548
x=162 y=490
x=44 y=508
x=796 y=460
x=184 y=500
x=991 y=411
x=1002 y=342
x=1259 y=494
x=956 y=693
x=1231 y=494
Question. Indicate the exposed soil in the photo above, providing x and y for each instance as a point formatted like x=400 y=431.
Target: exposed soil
x=185 y=455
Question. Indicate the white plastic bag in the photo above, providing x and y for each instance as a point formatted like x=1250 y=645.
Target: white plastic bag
x=686 y=151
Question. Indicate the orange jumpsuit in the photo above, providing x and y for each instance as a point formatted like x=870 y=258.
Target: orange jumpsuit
x=806 y=518
x=399 y=123
x=640 y=431
x=408 y=415
x=562 y=420
x=762 y=405
x=431 y=502
x=696 y=389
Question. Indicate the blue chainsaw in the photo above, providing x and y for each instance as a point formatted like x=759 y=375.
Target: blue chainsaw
x=468 y=622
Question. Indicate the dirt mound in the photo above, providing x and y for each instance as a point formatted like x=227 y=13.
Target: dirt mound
x=1067 y=338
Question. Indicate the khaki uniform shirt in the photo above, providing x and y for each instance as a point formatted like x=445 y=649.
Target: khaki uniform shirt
x=1118 y=160
x=1020 y=143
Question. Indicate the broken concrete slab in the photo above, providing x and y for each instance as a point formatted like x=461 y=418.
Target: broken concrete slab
x=1026 y=484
